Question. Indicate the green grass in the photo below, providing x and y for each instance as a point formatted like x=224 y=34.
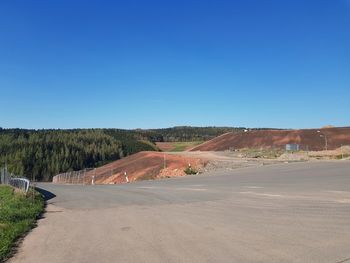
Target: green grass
x=18 y=213
x=182 y=146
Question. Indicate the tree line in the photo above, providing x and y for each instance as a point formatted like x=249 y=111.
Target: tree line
x=186 y=133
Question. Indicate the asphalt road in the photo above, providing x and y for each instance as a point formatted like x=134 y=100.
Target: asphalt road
x=296 y=212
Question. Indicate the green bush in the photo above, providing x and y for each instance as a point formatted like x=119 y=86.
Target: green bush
x=190 y=170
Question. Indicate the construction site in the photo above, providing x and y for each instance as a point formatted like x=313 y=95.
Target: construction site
x=228 y=151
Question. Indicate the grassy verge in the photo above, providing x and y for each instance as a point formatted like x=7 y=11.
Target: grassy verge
x=182 y=146
x=18 y=213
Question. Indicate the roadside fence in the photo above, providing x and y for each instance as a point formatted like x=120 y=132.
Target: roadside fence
x=90 y=176
x=8 y=178
x=73 y=177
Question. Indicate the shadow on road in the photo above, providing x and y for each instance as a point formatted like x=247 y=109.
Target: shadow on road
x=47 y=195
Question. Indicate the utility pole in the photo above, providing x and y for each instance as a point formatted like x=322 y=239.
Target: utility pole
x=83 y=178
x=325 y=139
x=164 y=161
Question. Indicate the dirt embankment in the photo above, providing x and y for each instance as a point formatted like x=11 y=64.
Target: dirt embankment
x=308 y=139
x=143 y=166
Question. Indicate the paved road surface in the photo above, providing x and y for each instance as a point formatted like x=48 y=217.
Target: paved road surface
x=283 y=213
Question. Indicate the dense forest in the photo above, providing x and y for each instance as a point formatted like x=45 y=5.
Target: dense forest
x=177 y=134
x=44 y=153
x=186 y=133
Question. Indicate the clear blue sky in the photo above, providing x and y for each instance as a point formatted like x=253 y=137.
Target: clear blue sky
x=148 y=64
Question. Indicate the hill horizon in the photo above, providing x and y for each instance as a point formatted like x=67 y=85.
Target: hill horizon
x=175 y=127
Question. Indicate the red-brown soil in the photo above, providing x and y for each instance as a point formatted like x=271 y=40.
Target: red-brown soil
x=308 y=139
x=143 y=166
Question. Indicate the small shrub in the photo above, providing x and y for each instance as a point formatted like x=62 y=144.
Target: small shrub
x=341 y=156
x=190 y=170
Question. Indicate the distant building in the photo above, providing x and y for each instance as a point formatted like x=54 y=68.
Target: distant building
x=292 y=147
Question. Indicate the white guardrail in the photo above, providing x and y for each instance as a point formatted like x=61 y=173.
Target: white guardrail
x=13 y=180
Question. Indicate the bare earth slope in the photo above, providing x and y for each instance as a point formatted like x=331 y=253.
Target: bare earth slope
x=308 y=139
x=143 y=165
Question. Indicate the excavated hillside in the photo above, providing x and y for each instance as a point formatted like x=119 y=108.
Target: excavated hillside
x=308 y=139
x=143 y=166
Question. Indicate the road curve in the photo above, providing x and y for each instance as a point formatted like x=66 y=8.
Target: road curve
x=296 y=212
